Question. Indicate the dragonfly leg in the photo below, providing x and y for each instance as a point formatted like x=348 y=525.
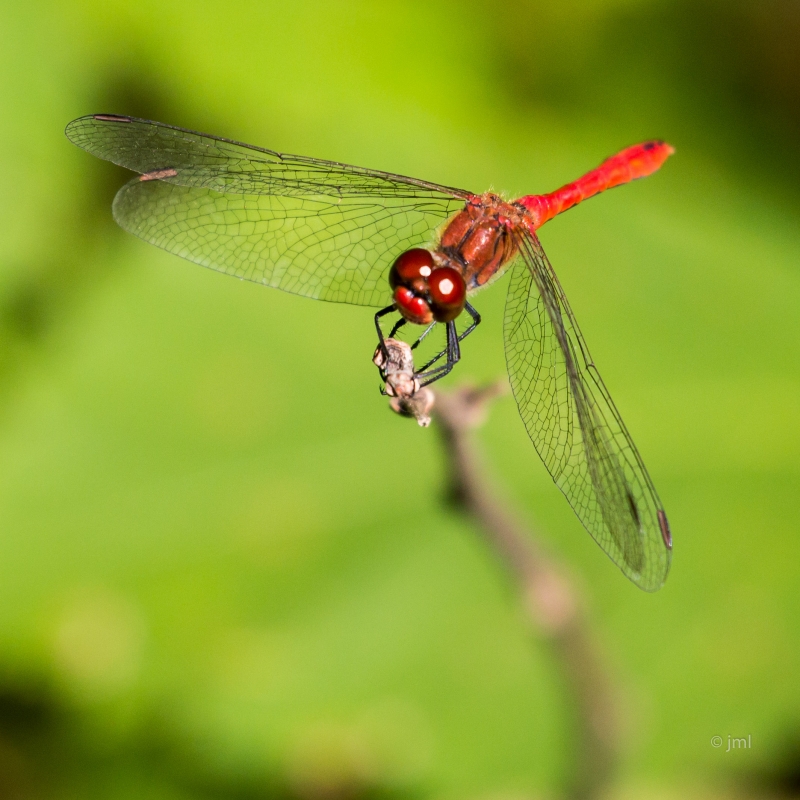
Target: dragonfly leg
x=402 y=321
x=381 y=341
x=453 y=357
x=476 y=320
x=423 y=335
x=452 y=351
x=399 y=324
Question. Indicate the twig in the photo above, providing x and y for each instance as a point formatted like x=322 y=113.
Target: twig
x=395 y=361
x=550 y=598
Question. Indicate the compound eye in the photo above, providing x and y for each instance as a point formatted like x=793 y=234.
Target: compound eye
x=448 y=293
x=413 y=307
x=413 y=265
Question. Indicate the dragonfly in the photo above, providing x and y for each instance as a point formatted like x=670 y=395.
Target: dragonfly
x=347 y=234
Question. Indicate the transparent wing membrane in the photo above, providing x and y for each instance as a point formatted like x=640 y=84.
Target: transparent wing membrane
x=315 y=228
x=574 y=425
x=310 y=246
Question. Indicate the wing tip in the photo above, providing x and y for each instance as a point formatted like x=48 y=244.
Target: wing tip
x=654 y=578
x=78 y=123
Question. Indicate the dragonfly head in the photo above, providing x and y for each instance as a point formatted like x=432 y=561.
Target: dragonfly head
x=423 y=292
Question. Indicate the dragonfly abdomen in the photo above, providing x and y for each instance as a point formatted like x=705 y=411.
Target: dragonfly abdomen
x=628 y=165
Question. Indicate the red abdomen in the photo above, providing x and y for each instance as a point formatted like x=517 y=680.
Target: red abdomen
x=629 y=164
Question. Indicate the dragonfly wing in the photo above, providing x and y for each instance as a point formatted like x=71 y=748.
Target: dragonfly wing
x=575 y=426
x=214 y=162
x=311 y=246
x=316 y=228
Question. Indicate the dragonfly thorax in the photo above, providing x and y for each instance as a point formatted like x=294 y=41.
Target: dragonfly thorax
x=425 y=292
x=479 y=239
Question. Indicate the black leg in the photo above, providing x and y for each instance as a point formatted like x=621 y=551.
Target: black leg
x=453 y=350
x=402 y=321
x=424 y=334
x=382 y=313
x=399 y=324
x=453 y=357
x=476 y=320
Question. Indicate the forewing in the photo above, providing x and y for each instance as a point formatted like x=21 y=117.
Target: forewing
x=574 y=425
x=316 y=228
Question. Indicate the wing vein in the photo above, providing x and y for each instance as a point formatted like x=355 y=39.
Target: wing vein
x=575 y=426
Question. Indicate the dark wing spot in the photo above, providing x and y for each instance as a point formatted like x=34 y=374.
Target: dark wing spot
x=666 y=534
x=112 y=118
x=158 y=174
x=634 y=509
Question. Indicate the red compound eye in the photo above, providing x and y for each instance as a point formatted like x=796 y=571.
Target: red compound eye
x=413 y=307
x=410 y=267
x=448 y=293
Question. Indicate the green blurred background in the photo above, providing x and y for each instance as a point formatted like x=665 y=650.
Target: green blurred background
x=226 y=570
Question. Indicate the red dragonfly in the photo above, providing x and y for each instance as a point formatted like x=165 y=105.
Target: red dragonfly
x=348 y=234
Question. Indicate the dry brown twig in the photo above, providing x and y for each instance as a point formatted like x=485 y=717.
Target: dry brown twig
x=396 y=364
x=550 y=598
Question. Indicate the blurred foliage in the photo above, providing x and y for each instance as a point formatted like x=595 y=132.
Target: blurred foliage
x=227 y=571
